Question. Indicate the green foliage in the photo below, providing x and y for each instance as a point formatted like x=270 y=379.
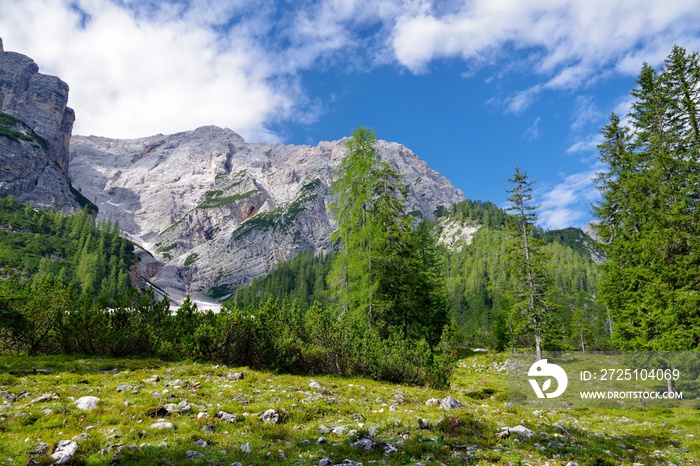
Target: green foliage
x=649 y=213
x=528 y=263
x=84 y=202
x=284 y=337
x=189 y=260
x=216 y=198
x=36 y=244
x=16 y=130
x=478 y=282
x=571 y=237
x=302 y=280
x=387 y=274
x=55 y=262
x=163 y=250
x=480 y=213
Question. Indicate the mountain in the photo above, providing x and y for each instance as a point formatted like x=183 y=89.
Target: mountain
x=35 y=130
x=216 y=211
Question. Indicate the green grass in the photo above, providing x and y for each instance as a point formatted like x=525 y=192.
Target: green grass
x=462 y=436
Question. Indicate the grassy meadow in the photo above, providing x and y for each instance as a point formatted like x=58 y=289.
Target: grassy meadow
x=312 y=421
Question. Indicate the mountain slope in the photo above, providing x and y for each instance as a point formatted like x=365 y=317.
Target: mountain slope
x=216 y=211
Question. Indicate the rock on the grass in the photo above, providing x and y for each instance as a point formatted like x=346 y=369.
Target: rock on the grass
x=339 y=430
x=64 y=451
x=40 y=449
x=521 y=430
x=181 y=407
x=432 y=401
x=325 y=462
x=450 y=403
x=270 y=416
x=365 y=444
x=351 y=463
x=194 y=454
x=162 y=424
x=314 y=384
x=245 y=448
x=87 y=403
x=224 y=416
x=45 y=397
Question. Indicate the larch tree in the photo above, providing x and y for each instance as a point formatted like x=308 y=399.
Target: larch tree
x=387 y=273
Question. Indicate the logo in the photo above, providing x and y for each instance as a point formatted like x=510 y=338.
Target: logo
x=543 y=369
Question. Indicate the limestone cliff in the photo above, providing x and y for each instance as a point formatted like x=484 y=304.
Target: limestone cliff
x=216 y=211
x=35 y=130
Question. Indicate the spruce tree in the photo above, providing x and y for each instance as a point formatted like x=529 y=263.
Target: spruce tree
x=527 y=262
x=648 y=214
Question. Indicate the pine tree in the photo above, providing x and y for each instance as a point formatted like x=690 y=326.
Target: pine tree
x=527 y=260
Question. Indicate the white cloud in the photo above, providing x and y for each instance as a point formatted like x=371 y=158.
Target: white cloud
x=572 y=43
x=522 y=99
x=569 y=202
x=136 y=67
x=585 y=112
x=132 y=75
x=533 y=132
x=587 y=144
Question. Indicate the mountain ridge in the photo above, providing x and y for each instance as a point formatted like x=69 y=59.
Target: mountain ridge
x=216 y=211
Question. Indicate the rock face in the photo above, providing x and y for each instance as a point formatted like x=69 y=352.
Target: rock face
x=35 y=129
x=216 y=211
x=39 y=100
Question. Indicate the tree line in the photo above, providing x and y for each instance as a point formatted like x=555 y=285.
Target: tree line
x=390 y=302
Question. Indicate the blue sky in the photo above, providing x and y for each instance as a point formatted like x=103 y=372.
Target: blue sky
x=473 y=87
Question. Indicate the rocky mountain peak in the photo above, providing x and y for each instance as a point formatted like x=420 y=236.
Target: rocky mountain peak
x=216 y=211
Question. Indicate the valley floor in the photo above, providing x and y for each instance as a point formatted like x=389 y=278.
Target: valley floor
x=154 y=412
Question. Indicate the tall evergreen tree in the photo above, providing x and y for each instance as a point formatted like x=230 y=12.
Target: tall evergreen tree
x=354 y=271
x=387 y=272
x=527 y=260
x=648 y=214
